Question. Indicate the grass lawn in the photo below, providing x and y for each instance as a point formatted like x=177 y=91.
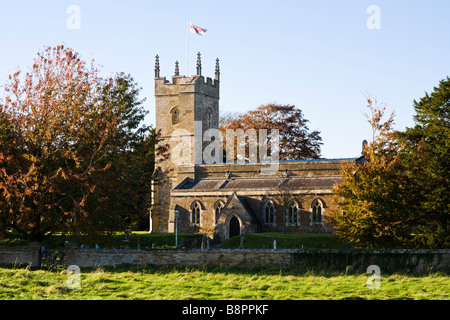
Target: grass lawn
x=145 y=282
x=286 y=241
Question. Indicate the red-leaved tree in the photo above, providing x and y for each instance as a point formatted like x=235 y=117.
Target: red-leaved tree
x=296 y=141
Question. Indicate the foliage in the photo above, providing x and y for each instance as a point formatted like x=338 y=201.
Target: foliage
x=296 y=142
x=371 y=192
x=427 y=158
x=399 y=196
x=64 y=131
x=124 y=191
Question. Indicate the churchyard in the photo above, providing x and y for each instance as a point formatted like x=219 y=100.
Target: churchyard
x=150 y=282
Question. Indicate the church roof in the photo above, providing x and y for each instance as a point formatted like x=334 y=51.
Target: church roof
x=298 y=183
x=200 y=184
x=257 y=183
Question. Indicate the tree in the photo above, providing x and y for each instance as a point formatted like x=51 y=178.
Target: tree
x=399 y=196
x=124 y=191
x=296 y=142
x=62 y=127
x=428 y=160
x=373 y=206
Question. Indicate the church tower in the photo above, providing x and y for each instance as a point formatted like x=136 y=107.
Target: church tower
x=182 y=104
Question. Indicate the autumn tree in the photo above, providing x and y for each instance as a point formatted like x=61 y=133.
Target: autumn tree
x=399 y=196
x=370 y=204
x=296 y=141
x=62 y=127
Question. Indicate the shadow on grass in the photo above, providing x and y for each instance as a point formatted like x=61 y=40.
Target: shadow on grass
x=153 y=269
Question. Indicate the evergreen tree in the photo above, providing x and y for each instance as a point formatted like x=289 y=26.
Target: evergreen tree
x=427 y=159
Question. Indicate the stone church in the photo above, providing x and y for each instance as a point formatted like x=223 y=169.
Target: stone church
x=225 y=199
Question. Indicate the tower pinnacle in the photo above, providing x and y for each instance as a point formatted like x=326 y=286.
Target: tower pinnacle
x=217 y=75
x=157 y=67
x=177 y=70
x=199 y=64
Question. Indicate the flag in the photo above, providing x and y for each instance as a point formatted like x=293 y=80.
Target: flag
x=196 y=29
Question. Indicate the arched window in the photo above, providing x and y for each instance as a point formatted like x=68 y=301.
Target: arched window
x=209 y=118
x=292 y=213
x=317 y=212
x=195 y=213
x=218 y=206
x=269 y=213
x=175 y=116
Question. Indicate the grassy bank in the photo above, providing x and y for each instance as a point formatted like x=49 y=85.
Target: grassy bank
x=286 y=241
x=142 y=238
x=145 y=282
x=167 y=240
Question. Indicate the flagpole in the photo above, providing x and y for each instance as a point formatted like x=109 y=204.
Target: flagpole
x=187 y=50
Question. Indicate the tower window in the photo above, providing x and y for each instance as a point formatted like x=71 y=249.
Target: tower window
x=209 y=118
x=175 y=116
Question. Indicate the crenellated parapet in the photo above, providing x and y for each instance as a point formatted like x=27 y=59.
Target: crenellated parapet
x=179 y=84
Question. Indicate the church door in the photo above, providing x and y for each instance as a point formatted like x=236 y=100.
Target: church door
x=234 y=227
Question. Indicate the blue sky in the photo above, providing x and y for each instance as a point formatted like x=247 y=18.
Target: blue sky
x=317 y=55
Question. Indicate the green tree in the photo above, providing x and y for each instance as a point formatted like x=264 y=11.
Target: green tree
x=427 y=159
x=399 y=197
x=124 y=191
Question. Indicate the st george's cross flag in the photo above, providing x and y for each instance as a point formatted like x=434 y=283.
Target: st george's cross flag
x=196 y=29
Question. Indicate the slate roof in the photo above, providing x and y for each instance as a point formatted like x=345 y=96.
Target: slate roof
x=317 y=182
x=200 y=184
x=257 y=183
x=251 y=183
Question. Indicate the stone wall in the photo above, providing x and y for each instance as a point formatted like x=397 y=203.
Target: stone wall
x=331 y=260
x=420 y=261
x=30 y=255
